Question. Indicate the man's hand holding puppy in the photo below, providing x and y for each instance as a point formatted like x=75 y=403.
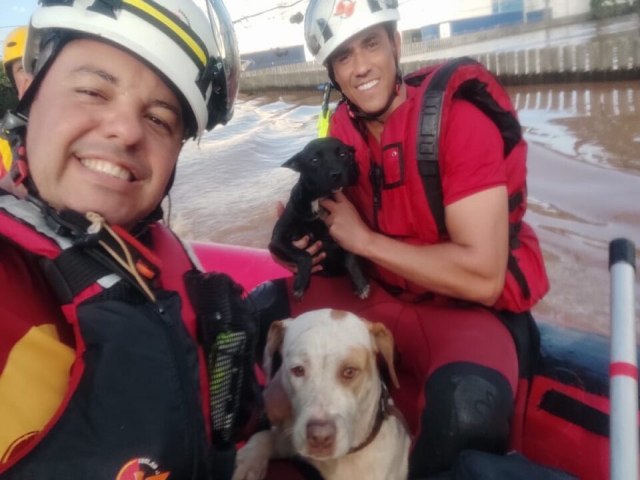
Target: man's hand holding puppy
x=315 y=250
x=345 y=224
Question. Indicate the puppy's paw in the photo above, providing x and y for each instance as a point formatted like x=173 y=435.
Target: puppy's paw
x=252 y=460
x=363 y=293
x=300 y=283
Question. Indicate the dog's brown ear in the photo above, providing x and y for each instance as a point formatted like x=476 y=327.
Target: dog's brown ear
x=272 y=348
x=276 y=401
x=384 y=342
x=293 y=163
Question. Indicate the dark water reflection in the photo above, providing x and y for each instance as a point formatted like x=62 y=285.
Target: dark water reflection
x=594 y=123
x=584 y=181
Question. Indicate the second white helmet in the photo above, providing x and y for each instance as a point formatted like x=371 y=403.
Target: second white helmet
x=328 y=23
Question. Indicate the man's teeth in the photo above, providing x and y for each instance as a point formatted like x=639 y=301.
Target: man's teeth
x=107 y=168
x=368 y=85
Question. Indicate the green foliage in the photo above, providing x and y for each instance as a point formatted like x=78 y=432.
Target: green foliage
x=8 y=98
x=611 y=8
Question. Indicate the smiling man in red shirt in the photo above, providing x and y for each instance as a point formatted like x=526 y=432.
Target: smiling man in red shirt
x=437 y=213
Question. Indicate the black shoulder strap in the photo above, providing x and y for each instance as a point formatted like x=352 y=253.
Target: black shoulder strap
x=429 y=135
x=472 y=90
x=71 y=272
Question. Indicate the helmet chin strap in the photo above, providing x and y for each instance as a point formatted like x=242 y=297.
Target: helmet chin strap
x=14 y=132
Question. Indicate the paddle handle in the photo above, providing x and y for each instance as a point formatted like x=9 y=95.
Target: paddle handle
x=623 y=370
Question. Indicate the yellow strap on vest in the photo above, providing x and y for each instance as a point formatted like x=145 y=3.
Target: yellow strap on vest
x=325 y=112
x=323 y=124
x=6 y=157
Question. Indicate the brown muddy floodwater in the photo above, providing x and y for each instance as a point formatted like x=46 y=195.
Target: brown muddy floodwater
x=584 y=182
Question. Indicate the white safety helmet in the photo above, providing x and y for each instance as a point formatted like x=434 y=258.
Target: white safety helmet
x=328 y=23
x=191 y=43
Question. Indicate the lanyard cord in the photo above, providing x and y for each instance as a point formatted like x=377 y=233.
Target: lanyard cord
x=125 y=261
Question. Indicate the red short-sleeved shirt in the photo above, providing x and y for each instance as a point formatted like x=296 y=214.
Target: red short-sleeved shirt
x=472 y=156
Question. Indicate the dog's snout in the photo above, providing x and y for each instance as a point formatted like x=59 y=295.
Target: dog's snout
x=321 y=435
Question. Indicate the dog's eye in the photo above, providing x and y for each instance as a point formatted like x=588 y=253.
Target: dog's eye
x=314 y=160
x=297 y=371
x=350 y=373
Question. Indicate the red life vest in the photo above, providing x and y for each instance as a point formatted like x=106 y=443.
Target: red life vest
x=127 y=350
x=400 y=194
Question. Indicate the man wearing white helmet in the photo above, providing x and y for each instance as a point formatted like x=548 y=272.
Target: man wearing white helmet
x=437 y=212
x=105 y=333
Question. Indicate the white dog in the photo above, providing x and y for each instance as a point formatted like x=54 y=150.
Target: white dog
x=331 y=405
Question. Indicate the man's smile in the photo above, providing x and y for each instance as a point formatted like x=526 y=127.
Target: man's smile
x=108 y=168
x=367 y=86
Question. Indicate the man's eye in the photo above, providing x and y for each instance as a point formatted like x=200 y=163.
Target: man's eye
x=159 y=122
x=90 y=92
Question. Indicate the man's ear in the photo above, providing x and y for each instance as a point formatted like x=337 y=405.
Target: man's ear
x=23 y=83
x=397 y=42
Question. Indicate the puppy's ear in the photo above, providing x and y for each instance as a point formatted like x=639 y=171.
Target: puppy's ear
x=294 y=162
x=272 y=348
x=384 y=342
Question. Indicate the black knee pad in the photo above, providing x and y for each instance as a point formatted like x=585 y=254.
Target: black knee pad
x=468 y=406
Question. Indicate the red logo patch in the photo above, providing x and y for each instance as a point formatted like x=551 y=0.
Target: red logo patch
x=345 y=8
x=141 y=469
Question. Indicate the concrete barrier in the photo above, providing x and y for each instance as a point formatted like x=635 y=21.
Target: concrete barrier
x=610 y=58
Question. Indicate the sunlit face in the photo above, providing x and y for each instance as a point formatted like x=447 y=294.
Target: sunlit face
x=365 y=69
x=104 y=133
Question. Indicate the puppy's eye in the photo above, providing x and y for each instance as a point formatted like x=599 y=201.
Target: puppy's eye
x=314 y=160
x=350 y=373
x=297 y=371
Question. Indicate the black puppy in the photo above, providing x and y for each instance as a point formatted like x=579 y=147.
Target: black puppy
x=326 y=165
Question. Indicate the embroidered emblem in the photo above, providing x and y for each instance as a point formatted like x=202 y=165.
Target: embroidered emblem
x=141 y=469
